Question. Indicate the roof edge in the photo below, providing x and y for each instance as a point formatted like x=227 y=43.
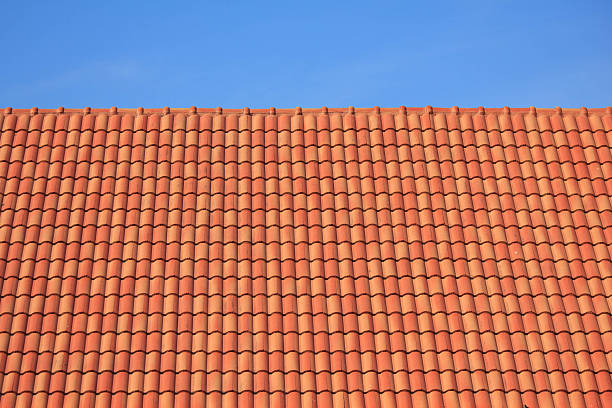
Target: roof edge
x=292 y=111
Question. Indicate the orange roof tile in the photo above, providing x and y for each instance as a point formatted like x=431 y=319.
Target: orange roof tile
x=308 y=257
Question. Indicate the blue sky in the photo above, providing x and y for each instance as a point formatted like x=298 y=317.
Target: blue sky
x=310 y=53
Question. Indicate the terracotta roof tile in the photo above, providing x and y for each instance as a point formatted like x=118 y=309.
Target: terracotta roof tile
x=379 y=257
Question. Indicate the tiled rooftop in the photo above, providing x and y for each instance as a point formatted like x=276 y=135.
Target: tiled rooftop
x=316 y=257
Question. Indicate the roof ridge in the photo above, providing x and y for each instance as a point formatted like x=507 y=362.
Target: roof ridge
x=293 y=111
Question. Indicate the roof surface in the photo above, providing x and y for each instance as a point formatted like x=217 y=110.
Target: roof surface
x=369 y=257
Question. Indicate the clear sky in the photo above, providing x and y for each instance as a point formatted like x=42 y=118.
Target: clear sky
x=309 y=53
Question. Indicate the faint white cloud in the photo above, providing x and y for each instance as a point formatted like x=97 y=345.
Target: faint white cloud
x=75 y=81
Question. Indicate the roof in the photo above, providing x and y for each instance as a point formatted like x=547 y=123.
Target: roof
x=363 y=257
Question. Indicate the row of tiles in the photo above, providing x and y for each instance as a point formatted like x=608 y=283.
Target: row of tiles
x=293 y=353
x=568 y=170
x=585 y=381
x=535 y=295
x=589 y=313
x=336 y=192
x=340 y=176
x=86 y=296
x=149 y=228
x=240 y=233
x=256 y=184
x=568 y=173
x=179 y=263
x=285 y=255
x=567 y=275
x=520 y=334
x=451 y=148
x=299 y=399
x=502 y=121
x=382 y=313
x=343 y=147
x=396 y=207
x=95 y=194
x=255 y=212
x=303 y=258
x=113 y=110
x=282 y=260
